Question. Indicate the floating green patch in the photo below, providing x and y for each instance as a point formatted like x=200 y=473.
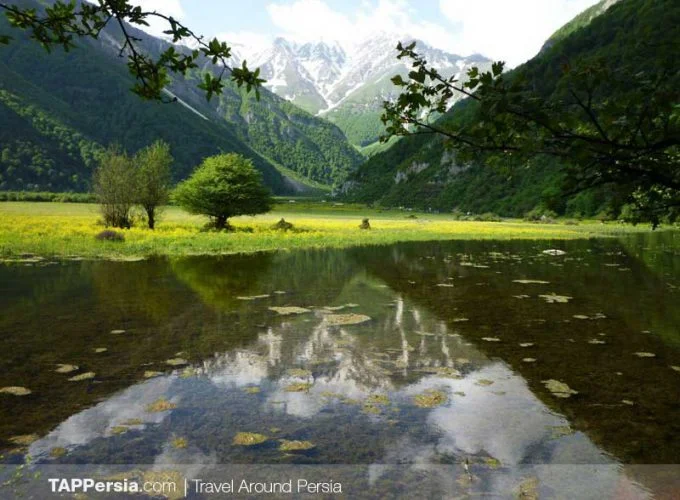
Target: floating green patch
x=298 y=387
x=526 y=344
x=529 y=360
x=553 y=298
x=491 y=339
x=117 y=332
x=531 y=282
x=431 y=398
x=99 y=350
x=558 y=431
x=559 y=389
x=528 y=489
x=24 y=440
x=15 y=391
x=160 y=405
x=676 y=368
x=119 y=429
x=484 y=382
x=645 y=355
x=296 y=445
x=177 y=362
x=179 y=443
x=133 y=421
x=57 y=452
x=251 y=390
x=249 y=439
x=370 y=408
x=152 y=374
x=287 y=311
x=346 y=319
x=299 y=372
x=82 y=376
x=627 y=402
x=253 y=297
x=596 y=342
x=61 y=368
x=379 y=399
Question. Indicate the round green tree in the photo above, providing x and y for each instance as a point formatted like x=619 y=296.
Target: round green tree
x=224 y=186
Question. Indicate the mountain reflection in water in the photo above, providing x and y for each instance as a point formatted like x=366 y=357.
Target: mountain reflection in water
x=454 y=323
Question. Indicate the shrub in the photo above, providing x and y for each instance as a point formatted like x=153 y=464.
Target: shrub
x=109 y=235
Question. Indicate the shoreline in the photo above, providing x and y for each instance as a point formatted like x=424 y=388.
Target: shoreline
x=64 y=230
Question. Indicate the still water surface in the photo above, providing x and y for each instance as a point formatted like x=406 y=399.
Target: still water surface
x=521 y=370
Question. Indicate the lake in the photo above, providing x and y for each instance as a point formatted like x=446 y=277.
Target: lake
x=451 y=369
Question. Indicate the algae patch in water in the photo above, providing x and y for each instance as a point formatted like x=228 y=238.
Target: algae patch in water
x=177 y=362
x=527 y=344
x=287 y=445
x=287 y=311
x=528 y=489
x=298 y=387
x=484 y=382
x=559 y=389
x=99 y=350
x=553 y=298
x=531 y=282
x=529 y=360
x=117 y=332
x=346 y=319
x=24 y=440
x=249 y=439
x=299 y=372
x=431 y=398
x=160 y=405
x=62 y=368
x=251 y=390
x=491 y=339
x=57 y=452
x=379 y=399
x=152 y=374
x=253 y=297
x=119 y=429
x=179 y=443
x=15 y=391
x=645 y=355
x=82 y=376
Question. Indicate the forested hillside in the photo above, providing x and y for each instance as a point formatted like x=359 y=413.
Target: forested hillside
x=636 y=36
x=58 y=110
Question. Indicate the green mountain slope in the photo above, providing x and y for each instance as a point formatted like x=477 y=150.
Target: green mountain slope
x=419 y=172
x=57 y=110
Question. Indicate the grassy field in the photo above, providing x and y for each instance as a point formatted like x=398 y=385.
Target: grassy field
x=65 y=229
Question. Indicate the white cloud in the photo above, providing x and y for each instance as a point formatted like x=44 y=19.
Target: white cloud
x=171 y=8
x=513 y=31
x=305 y=20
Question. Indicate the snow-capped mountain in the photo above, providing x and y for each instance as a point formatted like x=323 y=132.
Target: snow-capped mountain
x=345 y=85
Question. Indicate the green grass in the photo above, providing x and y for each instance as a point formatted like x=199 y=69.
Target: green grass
x=69 y=229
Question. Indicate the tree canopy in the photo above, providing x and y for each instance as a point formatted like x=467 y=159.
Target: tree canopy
x=224 y=186
x=61 y=23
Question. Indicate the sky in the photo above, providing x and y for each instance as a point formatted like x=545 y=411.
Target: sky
x=508 y=30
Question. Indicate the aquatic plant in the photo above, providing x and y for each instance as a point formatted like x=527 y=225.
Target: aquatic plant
x=160 y=405
x=430 y=399
x=298 y=387
x=249 y=439
x=296 y=445
x=345 y=319
x=286 y=311
x=559 y=389
x=15 y=391
x=82 y=376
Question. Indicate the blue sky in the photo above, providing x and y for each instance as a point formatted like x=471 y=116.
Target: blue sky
x=510 y=30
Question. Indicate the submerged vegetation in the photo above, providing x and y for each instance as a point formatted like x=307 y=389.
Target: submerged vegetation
x=69 y=230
